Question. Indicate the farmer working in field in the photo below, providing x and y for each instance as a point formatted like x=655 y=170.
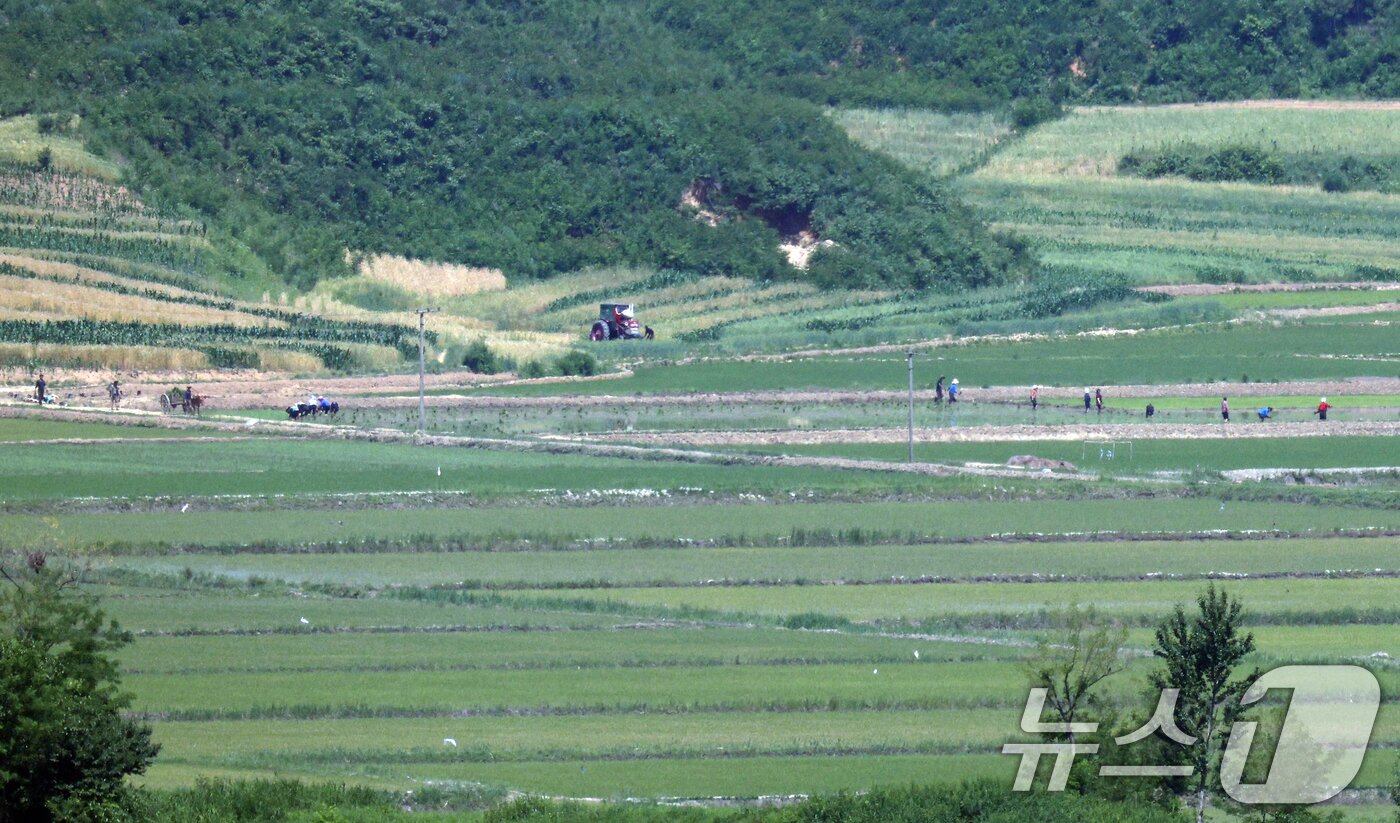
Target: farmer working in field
x=1035 y=397
x=1098 y=400
x=41 y=388
x=189 y=399
x=1266 y=413
x=953 y=391
x=1225 y=409
x=114 y=391
x=938 y=390
x=1322 y=408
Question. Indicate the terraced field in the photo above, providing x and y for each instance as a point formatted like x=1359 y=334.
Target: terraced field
x=1059 y=185
x=91 y=277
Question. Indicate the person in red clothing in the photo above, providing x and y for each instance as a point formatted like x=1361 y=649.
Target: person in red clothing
x=1322 y=408
x=1225 y=409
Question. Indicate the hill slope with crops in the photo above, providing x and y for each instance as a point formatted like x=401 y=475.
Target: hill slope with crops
x=540 y=139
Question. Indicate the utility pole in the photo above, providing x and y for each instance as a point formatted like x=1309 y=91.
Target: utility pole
x=909 y=353
x=422 y=366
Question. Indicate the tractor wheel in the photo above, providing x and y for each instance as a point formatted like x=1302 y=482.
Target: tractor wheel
x=600 y=332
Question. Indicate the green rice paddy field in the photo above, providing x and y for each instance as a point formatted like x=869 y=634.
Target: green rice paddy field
x=1324 y=348
x=558 y=622
x=722 y=639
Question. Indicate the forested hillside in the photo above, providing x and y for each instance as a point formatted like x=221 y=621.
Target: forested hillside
x=975 y=53
x=543 y=137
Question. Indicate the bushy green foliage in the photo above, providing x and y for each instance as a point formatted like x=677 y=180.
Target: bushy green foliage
x=962 y=53
x=576 y=363
x=981 y=802
x=479 y=358
x=1201 y=654
x=259 y=801
x=532 y=369
x=1247 y=163
x=1032 y=111
x=255 y=801
x=65 y=747
x=373 y=295
x=1255 y=164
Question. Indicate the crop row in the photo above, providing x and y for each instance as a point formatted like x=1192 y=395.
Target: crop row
x=23 y=185
x=1134 y=600
x=94 y=223
x=597 y=520
x=812 y=565
x=300 y=329
x=586 y=648
x=180 y=255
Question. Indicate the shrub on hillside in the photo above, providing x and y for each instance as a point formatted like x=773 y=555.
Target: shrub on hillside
x=479 y=358
x=1030 y=112
x=1254 y=164
x=576 y=364
x=1239 y=163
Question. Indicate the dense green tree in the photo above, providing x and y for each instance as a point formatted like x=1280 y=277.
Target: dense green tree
x=1201 y=654
x=65 y=747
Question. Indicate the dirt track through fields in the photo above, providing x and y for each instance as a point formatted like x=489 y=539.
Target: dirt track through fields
x=997 y=394
x=1307 y=391
x=1316 y=105
x=1334 y=311
x=271 y=391
x=1013 y=434
x=1207 y=289
x=316 y=431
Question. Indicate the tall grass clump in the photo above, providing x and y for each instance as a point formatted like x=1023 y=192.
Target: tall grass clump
x=431 y=279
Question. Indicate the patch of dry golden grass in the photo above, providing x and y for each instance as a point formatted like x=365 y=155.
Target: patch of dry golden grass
x=431 y=279
x=58 y=300
x=365 y=357
x=123 y=358
x=282 y=360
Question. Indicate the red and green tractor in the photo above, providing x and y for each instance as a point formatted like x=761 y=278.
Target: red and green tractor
x=617 y=321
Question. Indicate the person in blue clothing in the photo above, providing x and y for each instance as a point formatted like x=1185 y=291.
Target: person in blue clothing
x=1088 y=399
x=953 y=391
x=1266 y=413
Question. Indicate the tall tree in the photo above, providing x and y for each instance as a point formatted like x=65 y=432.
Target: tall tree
x=1071 y=662
x=65 y=747
x=1201 y=654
